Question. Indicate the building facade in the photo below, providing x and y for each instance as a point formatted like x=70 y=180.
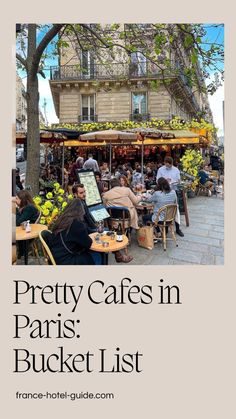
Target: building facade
x=21 y=105
x=88 y=89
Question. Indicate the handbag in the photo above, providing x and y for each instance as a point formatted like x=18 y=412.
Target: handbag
x=70 y=251
x=145 y=237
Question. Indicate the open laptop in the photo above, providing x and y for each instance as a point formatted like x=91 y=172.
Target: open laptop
x=93 y=198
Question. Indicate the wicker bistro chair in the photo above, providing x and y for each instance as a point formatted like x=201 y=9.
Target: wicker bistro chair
x=119 y=215
x=35 y=241
x=44 y=238
x=205 y=190
x=169 y=213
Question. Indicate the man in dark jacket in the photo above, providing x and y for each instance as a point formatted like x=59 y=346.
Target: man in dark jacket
x=78 y=191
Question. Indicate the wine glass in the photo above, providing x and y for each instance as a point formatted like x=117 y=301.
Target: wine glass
x=100 y=227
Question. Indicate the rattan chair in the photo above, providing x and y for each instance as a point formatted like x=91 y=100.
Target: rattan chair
x=206 y=190
x=43 y=237
x=168 y=213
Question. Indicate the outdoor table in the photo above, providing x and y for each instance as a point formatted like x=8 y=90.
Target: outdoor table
x=139 y=192
x=145 y=206
x=21 y=235
x=113 y=246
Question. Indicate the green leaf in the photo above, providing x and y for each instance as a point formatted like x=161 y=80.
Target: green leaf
x=194 y=57
x=188 y=41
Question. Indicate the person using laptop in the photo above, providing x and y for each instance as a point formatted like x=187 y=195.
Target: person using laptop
x=80 y=192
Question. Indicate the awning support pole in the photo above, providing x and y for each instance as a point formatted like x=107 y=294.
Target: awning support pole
x=63 y=164
x=110 y=156
x=142 y=162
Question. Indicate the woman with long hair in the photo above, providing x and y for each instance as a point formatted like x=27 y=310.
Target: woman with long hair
x=26 y=209
x=164 y=195
x=123 y=181
x=70 y=243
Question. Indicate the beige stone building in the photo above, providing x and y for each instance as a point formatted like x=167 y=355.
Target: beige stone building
x=21 y=105
x=84 y=89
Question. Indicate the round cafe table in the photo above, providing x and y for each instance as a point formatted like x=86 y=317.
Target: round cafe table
x=21 y=235
x=113 y=245
x=145 y=206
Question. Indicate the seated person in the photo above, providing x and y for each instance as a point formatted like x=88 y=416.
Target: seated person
x=163 y=196
x=14 y=257
x=123 y=181
x=137 y=177
x=172 y=175
x=26 y=209
x=79 y=191
x=122 y=196
x=205 y=178
x=99 y=181
x=19 y=185
x=105 y=173
x=70 y=243
x=150 y=179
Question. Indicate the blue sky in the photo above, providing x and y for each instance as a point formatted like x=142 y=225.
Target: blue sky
x=216 y=35
x=216 y=101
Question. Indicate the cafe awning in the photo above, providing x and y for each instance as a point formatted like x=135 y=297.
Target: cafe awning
x=109 y=136
x=153 y=136
x=46 y=137
x=51 y=136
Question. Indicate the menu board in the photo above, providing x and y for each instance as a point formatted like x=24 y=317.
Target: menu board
x=87 y=178
x=182 y=202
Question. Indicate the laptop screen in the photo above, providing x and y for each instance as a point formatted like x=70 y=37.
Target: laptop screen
x=87 y=178
x=99 y=213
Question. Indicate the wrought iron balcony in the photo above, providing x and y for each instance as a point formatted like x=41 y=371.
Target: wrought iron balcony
x=114 y=71
x=123 y=71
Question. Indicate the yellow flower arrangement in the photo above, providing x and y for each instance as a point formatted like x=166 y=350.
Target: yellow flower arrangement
x=191 y=162
x=176 y=123
x=53 y=204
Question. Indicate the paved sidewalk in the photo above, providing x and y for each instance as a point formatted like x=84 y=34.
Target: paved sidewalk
x=202 y=244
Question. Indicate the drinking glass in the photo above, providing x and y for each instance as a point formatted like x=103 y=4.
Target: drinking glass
x=100 y=227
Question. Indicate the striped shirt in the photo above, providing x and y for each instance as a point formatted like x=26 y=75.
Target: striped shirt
x=160 y=199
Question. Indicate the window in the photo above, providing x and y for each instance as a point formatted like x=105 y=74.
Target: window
x=88 y=108
x=139 y=103
x=138 y=64
x=87 y=63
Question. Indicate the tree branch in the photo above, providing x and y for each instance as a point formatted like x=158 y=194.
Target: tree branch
x=22 y=60
x=42 y=45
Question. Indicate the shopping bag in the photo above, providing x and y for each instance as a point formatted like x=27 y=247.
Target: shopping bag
x=145 y=237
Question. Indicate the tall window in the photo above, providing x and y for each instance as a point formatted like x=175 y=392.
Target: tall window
x=139 y=103
x=138 y=65
x=87 y=63
x=88 y=108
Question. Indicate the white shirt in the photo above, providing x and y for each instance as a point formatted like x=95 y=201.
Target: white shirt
x=171 y=173
x=91 y=164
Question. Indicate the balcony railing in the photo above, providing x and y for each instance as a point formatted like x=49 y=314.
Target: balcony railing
x=84 y=119
x=114 y=71
x=122 y=71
